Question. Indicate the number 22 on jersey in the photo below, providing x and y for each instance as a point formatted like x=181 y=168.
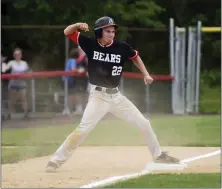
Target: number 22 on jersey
x=116 y=70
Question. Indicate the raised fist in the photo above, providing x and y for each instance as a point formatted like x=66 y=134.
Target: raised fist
x=83 y=26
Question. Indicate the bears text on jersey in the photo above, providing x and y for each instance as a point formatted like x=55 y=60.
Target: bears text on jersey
x=106 y=57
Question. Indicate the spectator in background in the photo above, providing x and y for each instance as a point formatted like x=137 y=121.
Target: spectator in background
x=70 y=65
x=81 y=82
x=17 y=87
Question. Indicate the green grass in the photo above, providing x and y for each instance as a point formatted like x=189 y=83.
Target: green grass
x=172 y=181
x=208 y=104
x=173 y=131
x=13 y=155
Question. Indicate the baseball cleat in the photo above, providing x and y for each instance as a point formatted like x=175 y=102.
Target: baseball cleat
x=165 y=158
x=51 y=167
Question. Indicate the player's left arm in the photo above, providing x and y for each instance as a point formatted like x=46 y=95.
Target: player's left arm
x=140 y=65
x=134 y=56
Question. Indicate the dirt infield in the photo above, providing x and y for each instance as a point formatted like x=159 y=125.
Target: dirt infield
x=96 y=163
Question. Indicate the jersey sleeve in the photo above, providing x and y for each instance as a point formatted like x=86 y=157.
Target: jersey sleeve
x=130 y=53
x=81 y=40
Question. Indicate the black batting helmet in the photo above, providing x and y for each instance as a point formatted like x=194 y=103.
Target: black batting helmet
x=101 y=23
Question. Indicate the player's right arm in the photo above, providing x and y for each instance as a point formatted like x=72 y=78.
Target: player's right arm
x=74 y=27
x=73 y=34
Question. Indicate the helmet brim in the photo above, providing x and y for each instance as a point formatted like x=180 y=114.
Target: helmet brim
x=108 y=25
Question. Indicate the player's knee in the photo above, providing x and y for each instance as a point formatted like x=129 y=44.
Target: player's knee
x=144 y=123
x=85 y=126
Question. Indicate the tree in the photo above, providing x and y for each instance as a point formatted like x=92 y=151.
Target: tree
x=127 y=13
x=130 y=13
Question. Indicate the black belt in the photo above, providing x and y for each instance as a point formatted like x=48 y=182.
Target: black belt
x=107 y=90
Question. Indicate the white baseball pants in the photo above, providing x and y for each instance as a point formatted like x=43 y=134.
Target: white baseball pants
x=99 y=104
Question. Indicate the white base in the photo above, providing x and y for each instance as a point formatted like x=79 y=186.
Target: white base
x=163 y=167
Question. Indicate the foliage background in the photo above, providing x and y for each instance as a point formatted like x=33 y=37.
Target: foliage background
x=44 y=48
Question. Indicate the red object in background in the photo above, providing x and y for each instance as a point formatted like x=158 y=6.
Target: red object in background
x=46 y=74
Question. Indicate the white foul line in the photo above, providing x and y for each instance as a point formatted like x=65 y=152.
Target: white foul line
x=201 y=156
x=144 y=172
x=114 y=179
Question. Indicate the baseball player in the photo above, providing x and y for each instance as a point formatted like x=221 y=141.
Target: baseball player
x=106 y=57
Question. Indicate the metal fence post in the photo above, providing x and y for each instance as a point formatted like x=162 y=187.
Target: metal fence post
x=33 y=95
x=180 y=71
x=66 y=48
x=66 y=110
x=183 y=79
x=199 y=25
x=176 y=75
x=172 y=63
x=188 y=74
x=122 y=85
x=191 y=70
x=147 y=101
x=193 y=67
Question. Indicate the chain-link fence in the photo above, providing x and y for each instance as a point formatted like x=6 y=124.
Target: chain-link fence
x=51 y=94
x=46 y=48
